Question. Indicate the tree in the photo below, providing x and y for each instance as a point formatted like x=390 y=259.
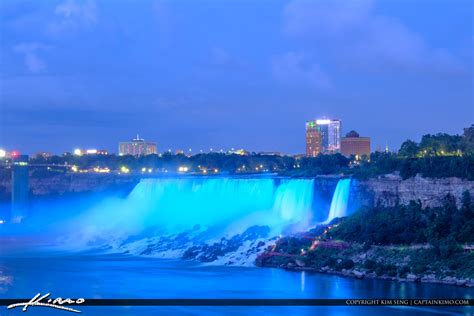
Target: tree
x=409 y=149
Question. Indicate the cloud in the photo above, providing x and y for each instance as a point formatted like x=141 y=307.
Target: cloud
x=298 y=69
x=357 y=35
x=220 y=56
x=72 y=15
x=30 y=52
x=323 y=18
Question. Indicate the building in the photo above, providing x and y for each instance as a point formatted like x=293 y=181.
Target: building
x=43 y=155
x=355 y=145
x=271 y=153
x=323 y=136
x=240 y=152
x=313 y=139
x=81 y=152
x=137 y=147
x=20 y=188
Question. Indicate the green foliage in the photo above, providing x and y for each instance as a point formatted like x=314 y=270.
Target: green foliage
x=403 y=271
x=292 y=245
x=344 y=264
x=382 y=226
x=369 y=264
x=409 y=149
x=443 y=226
x=321 y=257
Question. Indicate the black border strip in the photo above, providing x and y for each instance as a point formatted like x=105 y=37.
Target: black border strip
x=260 y=302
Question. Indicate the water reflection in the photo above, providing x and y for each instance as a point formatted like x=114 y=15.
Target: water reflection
x=130 y=277
x=303 y=276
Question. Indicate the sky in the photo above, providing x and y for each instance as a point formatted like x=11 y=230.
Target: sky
x=239 y=73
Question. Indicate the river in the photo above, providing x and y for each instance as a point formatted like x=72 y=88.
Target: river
x=120 y=276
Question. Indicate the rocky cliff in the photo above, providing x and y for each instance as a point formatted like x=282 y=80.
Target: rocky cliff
x=389 y=190
x=72 y=183
x=386 y=190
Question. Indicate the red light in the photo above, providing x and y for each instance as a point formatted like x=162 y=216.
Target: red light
x=15 y=153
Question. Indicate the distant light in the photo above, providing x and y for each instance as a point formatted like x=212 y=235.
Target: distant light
x=216 y=170
x=143 y=169
x=2 y=221
x=124 y=169
x=15 y=153
x=91 y=151
x=74 y=168
x=323 y=122
x=150 y=170
x=3 y=153
x=183 y=169
x=77 y=152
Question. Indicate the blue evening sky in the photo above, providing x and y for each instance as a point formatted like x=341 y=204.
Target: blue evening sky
x=237 y=73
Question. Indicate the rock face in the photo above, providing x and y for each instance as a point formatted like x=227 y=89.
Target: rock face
x=388 y=190
x=73 y=183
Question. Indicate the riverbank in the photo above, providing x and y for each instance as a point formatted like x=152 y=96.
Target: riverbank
x=403 y=242
x=415 y=263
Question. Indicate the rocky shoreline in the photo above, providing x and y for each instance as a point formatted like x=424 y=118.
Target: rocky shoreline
x=312 y=252
x=372 y=275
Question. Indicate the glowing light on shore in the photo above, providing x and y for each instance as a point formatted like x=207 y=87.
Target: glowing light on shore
x=3 y=153
x=124 y=169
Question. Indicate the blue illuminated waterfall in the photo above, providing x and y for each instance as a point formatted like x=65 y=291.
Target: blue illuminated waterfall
x=169 y=216
x=224 y=205
x=340 y=200
x=218 y=219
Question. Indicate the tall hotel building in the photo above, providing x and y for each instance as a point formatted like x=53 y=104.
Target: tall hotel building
x=323 y=136
x=137 y=147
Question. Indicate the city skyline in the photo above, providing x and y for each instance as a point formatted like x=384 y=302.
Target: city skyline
x=94 y=148
x=201 y=75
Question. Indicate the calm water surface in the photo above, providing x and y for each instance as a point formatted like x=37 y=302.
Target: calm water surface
x=113 y=276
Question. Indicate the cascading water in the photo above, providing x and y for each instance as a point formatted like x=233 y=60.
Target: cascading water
x=339 y=201
x=223 y=206
x=216 y=219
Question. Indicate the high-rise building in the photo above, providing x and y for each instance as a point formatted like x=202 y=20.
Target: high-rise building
x=313 y=139
x=20 y=187
x=323 y=136
x=137 y=147
x=353 y=144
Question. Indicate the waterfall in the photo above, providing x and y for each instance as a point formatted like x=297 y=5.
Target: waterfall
x=224 y=206
x=339 y=200
x=214 y=219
